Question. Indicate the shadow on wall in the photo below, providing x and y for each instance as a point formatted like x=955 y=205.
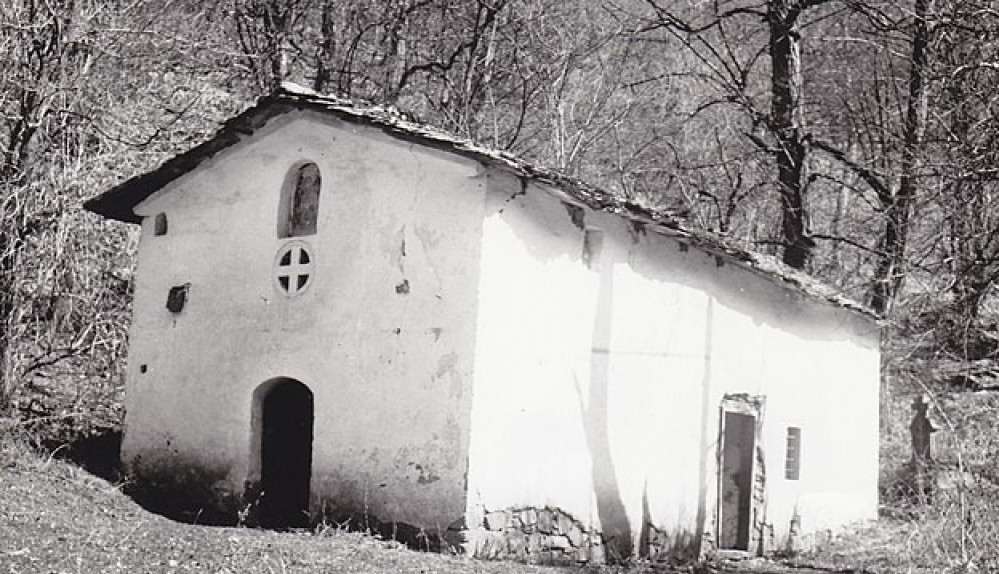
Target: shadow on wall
x=97 y=453
x=182 y=489
x=614 y=523
x=708 y=442
x=614 y=520
x=177 y=491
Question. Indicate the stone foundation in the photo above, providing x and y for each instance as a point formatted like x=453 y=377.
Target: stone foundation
x=535 y=535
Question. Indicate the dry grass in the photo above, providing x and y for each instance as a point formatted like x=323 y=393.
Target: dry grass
x=955 y=527
x=55 y=517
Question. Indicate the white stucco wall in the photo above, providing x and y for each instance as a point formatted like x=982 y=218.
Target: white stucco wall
x=598 y=389
x=455 y=325
x=389 y=370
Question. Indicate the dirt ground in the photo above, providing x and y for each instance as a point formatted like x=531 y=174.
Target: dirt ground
x=58 y=518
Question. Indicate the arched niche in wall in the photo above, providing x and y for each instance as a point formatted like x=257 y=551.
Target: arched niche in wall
x=299 y=210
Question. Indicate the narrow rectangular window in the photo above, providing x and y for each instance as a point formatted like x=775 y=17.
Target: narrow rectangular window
x=792 y=461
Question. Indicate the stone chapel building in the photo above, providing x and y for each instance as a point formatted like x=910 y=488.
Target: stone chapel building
x=341 y=313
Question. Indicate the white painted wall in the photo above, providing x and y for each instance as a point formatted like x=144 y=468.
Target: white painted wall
x=683 y=330
x=390 y=372
x=595 y=389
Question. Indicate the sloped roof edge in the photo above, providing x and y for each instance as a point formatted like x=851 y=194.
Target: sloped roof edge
x=119 y=201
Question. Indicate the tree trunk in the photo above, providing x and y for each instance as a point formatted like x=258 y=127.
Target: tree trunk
x=786 y=125
x=6 y=315
x=326 y=51
x=12 y=236
x=890 y=273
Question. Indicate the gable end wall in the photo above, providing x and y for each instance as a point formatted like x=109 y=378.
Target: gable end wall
x=384 y=336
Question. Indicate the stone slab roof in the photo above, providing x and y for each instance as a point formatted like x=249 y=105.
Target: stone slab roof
x=118 y=202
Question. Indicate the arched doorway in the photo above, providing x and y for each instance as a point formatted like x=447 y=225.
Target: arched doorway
x=286 y=415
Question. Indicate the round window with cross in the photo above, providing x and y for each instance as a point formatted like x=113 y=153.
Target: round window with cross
x=293 y=268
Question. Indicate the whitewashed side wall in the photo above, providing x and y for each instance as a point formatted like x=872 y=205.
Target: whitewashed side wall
x=384 y=337
x=598 y=384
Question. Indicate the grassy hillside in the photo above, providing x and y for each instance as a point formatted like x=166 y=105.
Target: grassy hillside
x=56 y=517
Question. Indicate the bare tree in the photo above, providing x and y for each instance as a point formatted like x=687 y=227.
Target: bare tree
x=35 y=42
x=964 y=142
x=265 y=30
x=76 y=76
x=722 y=40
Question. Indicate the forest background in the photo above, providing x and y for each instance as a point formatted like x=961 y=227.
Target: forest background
x=856 y=140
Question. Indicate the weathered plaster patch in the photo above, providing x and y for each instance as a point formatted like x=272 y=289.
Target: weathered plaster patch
x=637 y=230
x=422 y=473
x=428 y=236
x=576 y=214
x=393 y=246
x=445 y=364
x=446 y=368
x=516 y=194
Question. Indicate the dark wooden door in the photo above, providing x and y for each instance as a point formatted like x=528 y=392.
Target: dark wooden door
x=286 y=456
x=735 y=498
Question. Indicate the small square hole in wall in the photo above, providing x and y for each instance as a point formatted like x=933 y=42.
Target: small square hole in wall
x=160 y=224
x=177 y=298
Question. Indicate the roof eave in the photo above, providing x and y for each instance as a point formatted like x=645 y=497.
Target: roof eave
x=119 y=202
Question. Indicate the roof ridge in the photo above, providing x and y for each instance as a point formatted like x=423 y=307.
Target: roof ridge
x=117 y=202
